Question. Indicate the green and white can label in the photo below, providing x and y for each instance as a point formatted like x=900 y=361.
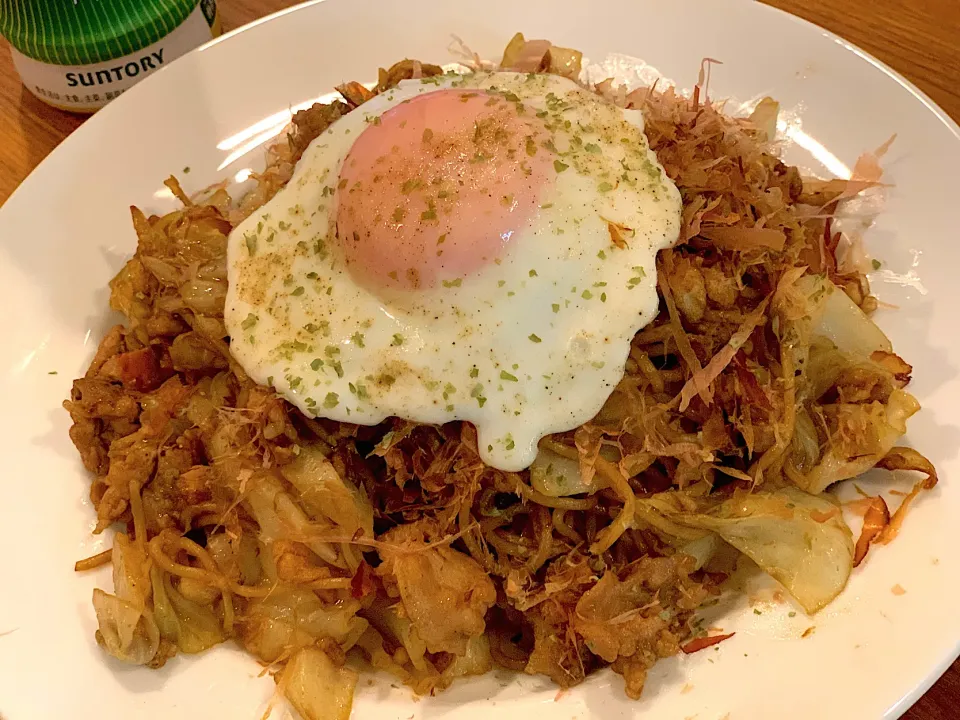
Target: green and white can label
x=46 y=70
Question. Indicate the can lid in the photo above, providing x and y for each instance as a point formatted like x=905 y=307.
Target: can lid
x=82 y=32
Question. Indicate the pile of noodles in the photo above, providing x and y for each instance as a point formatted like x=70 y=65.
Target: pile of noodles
x=315 y=544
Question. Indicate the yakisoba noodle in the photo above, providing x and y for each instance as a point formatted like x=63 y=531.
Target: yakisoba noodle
x=314 y=543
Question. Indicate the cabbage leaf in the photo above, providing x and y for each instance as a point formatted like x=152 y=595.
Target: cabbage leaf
x=798 y=539
x=317 y=688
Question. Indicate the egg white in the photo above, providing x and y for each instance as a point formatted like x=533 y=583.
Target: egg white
x=530 y=345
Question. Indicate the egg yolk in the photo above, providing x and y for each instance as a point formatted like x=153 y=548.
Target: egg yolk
x=436 y=187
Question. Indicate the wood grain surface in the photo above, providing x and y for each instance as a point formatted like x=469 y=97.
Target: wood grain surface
x=918 y=38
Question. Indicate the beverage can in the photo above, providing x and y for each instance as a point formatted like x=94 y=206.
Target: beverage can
x=78 y=55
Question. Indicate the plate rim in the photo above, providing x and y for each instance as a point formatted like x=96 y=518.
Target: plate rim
x=909 y=699
x=953 y=126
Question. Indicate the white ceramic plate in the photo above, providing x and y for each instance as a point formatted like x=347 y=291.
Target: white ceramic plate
x=67 y=231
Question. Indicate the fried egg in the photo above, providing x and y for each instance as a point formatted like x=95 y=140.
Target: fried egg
x=478 y=247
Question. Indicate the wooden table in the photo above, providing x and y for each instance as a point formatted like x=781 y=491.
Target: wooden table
x=919 y=38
